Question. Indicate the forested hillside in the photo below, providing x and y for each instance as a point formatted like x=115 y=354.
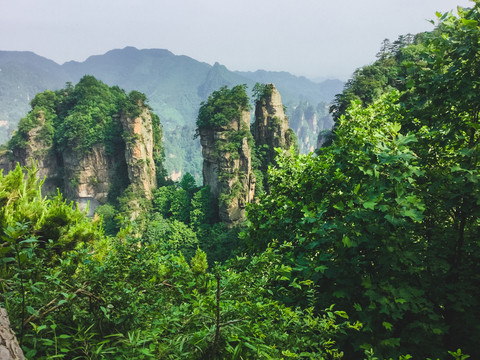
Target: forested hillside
x=368 y=249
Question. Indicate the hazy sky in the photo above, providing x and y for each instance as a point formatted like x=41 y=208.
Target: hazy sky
x=315 y=38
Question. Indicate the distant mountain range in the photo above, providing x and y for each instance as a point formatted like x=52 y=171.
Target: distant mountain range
x=175 y=86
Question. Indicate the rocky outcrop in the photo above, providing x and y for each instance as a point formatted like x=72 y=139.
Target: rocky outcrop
x=87 y=177
x=311 y=119
x=38 y=148
x=271 y=124
x=139 y=152
x=227 y=167
x=9 y=347
x=271 y=127
x=6 y=161
x=307 y=121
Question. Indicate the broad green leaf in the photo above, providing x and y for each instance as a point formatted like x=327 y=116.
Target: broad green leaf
x=31 y=310
x=414 y=215
x=342 y=314
x=339 y=206
x=355 y=191
x=346 y=241
x=396 y=127
x=472 y=24
x=321 y=268
x=387 y=325
x=369 y=204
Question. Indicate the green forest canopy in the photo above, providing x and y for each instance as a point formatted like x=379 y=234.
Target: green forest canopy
x=383 y=223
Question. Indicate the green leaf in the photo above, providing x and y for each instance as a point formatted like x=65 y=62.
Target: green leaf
x=414 y=215
x=387 y=325
x=339 y=206
x=472 y=24
x=28 y=241
x=404 y=140
x=369 y=204
x=342 y=314
x=355 y=191
x=295 y=285
x=31 y=310
x=7 y=260
x=396 y=127
x=321 y=268
x=346 y=241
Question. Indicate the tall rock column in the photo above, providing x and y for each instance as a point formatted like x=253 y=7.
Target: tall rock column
x=139 y=151
x=271 y=127
x=227 y=154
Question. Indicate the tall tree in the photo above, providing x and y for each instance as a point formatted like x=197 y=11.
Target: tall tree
x=385 y=221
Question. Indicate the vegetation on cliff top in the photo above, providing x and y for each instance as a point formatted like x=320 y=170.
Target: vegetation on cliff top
x=222 y=107
x=81 y=116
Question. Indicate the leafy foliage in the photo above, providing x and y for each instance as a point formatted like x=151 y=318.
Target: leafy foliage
x=388 y=73
x=221 y=107
x=385 y=221
x=126 y=297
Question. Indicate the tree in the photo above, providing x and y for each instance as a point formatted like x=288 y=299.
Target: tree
x=137 y=298
x=221 y=107
x=37 y=236
x=444 y=97
x=202 y=212
x=347 y=211
x=385 y=221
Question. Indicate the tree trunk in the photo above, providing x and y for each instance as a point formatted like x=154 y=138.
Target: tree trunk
x=9 y=347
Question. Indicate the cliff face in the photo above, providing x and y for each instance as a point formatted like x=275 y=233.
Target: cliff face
x=227 y=167
x=310 y=117
x=271 y=127
x=271 y=124
x=139 y=152
x=307 y=121
x=38 y=149
x=87 y=178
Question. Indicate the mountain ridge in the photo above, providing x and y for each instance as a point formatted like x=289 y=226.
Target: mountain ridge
x=174 y=84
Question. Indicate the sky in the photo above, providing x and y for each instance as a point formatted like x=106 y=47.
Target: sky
x=313 y=38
